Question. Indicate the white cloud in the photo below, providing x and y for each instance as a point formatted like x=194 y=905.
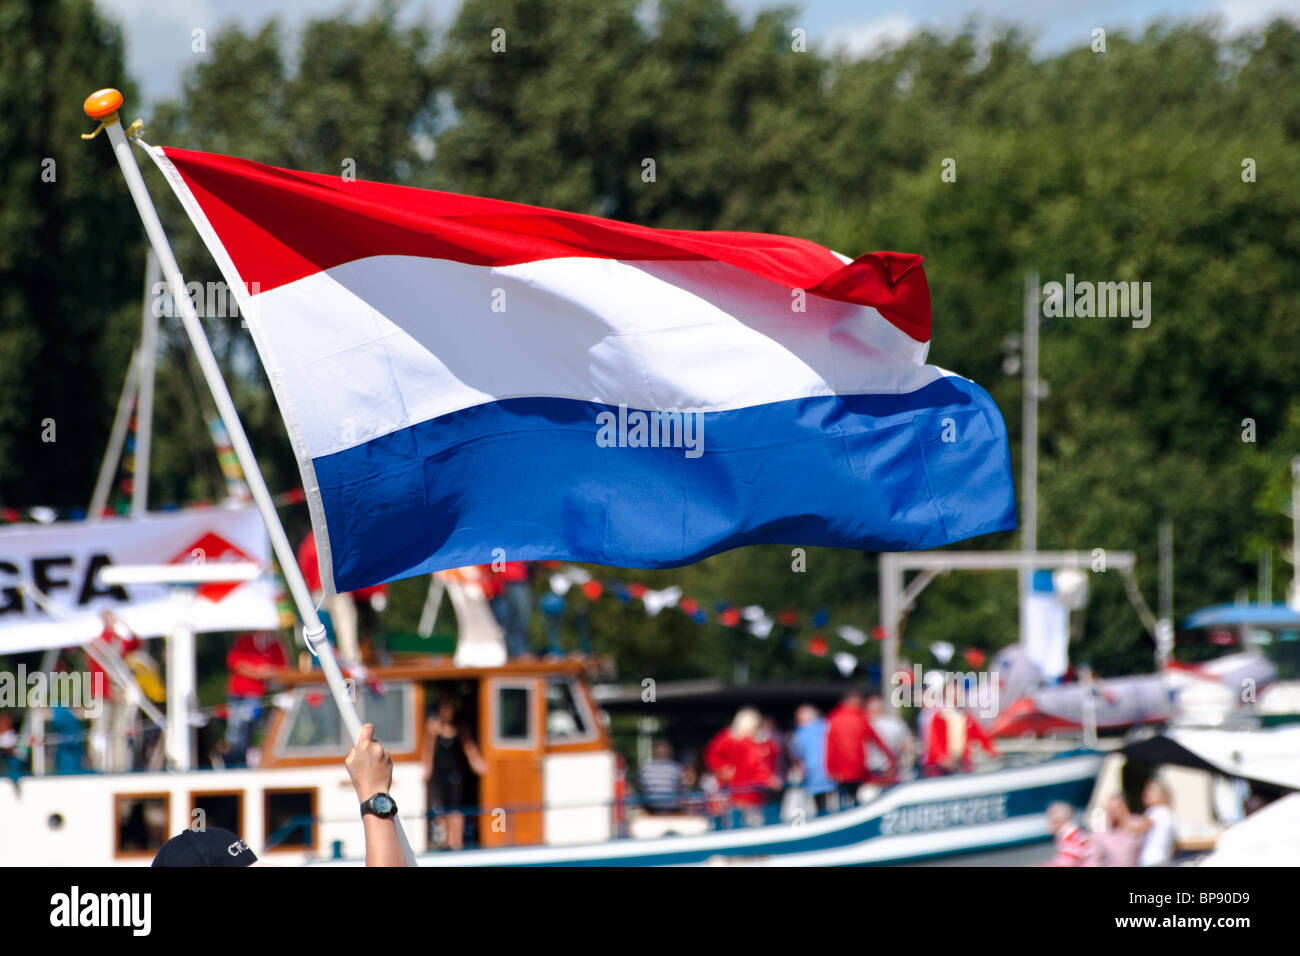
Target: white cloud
x=159 y=32
x=1241 y=15
x=859 y=39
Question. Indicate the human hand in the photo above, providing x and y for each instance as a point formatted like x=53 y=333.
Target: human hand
x=369 y=765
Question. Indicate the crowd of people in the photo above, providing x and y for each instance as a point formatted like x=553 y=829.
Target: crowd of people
x=1121 y=837
x=752 y=772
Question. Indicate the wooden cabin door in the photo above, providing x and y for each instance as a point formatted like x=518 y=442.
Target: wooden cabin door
x=511 y=793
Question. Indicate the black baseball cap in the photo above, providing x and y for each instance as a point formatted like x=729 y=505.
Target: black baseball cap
x=211 y=847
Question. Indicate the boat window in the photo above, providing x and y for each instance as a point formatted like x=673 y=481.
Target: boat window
x=224 y=810
x=289 y=818
x=142 y=822
x=512 y=726
x=390 y=713
x=566 y=717
x=316 y=729
x=1285 y=653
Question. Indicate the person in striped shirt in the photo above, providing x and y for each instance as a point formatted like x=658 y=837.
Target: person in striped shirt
x=1073 y=848
x=660 y=780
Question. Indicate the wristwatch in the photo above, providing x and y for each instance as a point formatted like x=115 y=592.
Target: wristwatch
x=381 y=805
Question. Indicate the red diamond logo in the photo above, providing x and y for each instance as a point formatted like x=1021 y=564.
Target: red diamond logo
x=212 y=549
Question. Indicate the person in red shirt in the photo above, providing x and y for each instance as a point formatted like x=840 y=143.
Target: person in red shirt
x=511 y=595
x=252 y=659
x=1073 y=848
x=848 y=734
x=953 y=736
x=742 y=766
x=112 y=742
x=116 y=637
x=772 y=753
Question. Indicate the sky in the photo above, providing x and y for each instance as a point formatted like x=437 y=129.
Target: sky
x=158 y=32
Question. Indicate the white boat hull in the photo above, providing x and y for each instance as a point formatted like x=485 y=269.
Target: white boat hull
x=919 y=819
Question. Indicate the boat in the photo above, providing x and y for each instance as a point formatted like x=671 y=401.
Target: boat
x=1239 y=661
x=1232 y=661
x=297 y=802
x=549 y=796
x=1217 y=777
x=918 y=820
x=1268 y=837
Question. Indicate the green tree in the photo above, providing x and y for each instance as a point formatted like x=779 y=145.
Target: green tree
x=359 y=100
x=1170 y=159
x=70 y=259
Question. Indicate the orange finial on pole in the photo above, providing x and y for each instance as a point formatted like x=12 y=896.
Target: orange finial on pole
x=102 y=105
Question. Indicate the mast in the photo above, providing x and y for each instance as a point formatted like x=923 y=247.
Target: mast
x=1294 y=596
x=144 y=409
x=1029 y=454
x=116 y=440
x=1165 y=626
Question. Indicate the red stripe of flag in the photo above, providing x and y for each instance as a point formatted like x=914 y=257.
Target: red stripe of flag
x=279 y=225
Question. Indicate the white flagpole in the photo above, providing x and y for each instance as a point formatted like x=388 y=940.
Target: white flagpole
x=313 y=630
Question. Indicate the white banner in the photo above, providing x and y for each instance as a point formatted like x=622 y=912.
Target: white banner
x=1048 y=621
x=63 y=561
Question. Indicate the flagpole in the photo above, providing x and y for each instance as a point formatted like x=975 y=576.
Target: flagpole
x=103 y=106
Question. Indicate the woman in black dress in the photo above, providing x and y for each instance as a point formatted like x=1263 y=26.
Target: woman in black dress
x=450 y=756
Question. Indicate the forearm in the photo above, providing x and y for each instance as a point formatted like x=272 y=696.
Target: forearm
x=383 y=848
x=371 y=770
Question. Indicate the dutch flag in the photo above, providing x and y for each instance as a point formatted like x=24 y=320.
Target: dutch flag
x=461 y=375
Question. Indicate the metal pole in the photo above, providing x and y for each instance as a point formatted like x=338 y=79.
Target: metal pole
x=1029 y=452
x=182 y=680
x=33 y=725
x=116 y=439
x=180 y=695
x=36 y=740
x=1089 y=723
x=1166 y=570
x=144 y=413
x=1165 y=626
x=891 y=594
x=1295 y=534
x=313 y=630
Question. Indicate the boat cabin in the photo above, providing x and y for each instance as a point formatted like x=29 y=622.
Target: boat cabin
x=549 y=763
x=549 y=781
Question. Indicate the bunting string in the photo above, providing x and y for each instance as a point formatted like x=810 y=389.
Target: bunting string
x=807 y=631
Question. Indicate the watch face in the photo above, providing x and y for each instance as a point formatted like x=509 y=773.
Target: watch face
x=383 y=803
